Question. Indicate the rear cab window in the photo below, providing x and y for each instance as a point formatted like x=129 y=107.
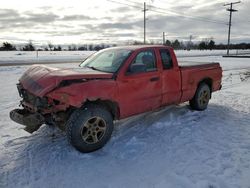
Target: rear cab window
x=166 y=59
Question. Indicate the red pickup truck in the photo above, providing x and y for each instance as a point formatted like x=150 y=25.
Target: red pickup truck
x=111 y=84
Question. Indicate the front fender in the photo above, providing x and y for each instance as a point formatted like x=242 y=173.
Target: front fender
x=76 y=94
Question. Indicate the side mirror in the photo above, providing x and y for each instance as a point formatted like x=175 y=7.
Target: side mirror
x=137 y=68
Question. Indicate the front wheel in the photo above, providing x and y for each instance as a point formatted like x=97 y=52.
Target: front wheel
x=201 y=97
x=89 y=128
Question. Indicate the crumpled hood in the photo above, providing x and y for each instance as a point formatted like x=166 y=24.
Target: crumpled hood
x=40 y=79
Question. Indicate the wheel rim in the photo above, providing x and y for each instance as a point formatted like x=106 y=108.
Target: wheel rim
x=204 y=97
x=93 y=130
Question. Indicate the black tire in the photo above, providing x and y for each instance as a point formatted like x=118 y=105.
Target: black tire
x=201 y=98
x=85 y=128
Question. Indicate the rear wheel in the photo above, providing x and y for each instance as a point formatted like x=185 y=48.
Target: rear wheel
x=89 y=128
x=201 y=97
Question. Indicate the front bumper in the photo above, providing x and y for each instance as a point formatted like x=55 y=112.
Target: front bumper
x=32 y=121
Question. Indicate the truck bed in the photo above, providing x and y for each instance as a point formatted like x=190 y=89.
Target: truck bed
x=193 y=72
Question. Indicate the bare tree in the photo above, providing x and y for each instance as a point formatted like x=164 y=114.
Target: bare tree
x=50 y=45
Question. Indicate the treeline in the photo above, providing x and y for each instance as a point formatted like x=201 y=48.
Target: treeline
x=204 y=45
x=6 y=46
x=176 y=44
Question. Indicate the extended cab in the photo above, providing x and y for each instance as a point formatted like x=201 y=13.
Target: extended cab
x=111 y=84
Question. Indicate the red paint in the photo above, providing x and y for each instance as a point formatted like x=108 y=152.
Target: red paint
x=133 y=94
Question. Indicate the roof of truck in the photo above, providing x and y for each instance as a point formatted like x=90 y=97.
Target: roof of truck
x=135 y=47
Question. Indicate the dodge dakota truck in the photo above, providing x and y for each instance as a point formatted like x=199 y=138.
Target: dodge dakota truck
x=111 y=84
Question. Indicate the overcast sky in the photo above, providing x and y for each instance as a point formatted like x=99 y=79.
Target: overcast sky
x=103 y=21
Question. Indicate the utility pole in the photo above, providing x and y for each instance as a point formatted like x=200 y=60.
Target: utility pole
x=230 y=21
x=163 y=38
x=144 y=10
x=189 y=45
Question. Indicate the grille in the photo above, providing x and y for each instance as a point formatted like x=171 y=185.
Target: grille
x=37 y=102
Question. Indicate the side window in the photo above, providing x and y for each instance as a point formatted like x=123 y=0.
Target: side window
x=166 y=59
x=147 y=58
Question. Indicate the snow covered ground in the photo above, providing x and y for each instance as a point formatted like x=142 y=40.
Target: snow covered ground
x=172 y=148
x=20 y=57
x=12 y=57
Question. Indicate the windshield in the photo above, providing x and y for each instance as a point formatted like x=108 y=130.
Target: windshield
x=108 y=60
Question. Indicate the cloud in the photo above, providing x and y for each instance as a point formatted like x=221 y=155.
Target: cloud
x=48 y=17
x=12 y=19
x=65 y=33
x=111 y=35
x=8 y=13
x=124 y=22
x=116 y=25
x=122 y=9
x=76 y=17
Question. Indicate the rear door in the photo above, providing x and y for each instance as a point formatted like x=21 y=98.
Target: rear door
x=171 y=78
x=140 y=92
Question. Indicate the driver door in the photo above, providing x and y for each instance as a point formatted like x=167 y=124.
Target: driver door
x=140 y=92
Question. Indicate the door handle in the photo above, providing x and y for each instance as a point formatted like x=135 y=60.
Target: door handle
x=154 y=79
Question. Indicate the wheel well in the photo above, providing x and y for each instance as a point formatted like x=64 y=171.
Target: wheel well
x=207 y=81
x=111 y=106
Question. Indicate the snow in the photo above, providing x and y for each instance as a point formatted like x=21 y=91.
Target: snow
x=12 y=57
x=202 y=53
x=174 y=147
x=226 y=63
x=42 y=56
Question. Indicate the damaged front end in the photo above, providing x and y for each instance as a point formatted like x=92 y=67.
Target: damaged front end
x=37 y=111
x=44 y=97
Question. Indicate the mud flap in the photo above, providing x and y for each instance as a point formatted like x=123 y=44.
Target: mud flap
x=32 y=121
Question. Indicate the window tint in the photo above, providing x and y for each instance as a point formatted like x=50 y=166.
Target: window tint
x=166 y=59
x=147 y=58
